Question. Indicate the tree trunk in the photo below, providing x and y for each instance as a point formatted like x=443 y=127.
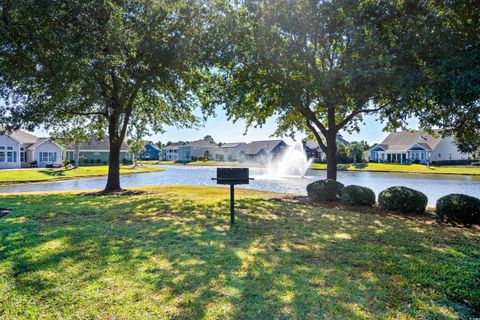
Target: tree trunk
x=331 y=156
x=113 y=181
x=76 y=154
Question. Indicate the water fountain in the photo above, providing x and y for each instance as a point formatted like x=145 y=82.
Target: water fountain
x=292 y=163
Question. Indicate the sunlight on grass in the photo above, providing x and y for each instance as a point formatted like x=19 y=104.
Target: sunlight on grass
x=171 y=253
x=410 y=168
x=37 y=175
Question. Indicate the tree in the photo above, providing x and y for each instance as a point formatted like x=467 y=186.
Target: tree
x=319 y=66
x=206 y=155
x=104 y=63
x=73 y=136
x=208 y=138
x=468 y=145
x=355 y=150
x=316 y=65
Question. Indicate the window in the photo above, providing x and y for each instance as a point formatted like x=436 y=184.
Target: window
x=48 y=156
x=439 y=155
x=22 y=156
x=422 y=155
x=9 y=156
x=9 y=148
x=2 y=156
x=2 y=148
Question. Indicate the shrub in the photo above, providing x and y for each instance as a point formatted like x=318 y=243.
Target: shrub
x=403 y=199
x=416 y=161
x=358 y=195
x=477 y=164
x=458 y=208
x=325 y=190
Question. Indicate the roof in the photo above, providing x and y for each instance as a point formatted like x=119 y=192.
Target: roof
x=23 y=137
x=153 y=145
x=231 y=145
x=255 y=147
x=94 y=144
x=201 y=143
x=174 y=145
x=403 y=140
x=313 y=144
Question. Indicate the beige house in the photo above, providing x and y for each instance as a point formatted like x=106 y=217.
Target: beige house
x=416 y=146
x=21 y=149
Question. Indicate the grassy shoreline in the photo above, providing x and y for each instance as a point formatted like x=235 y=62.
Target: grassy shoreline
x=38 y=175
x=369 y=167
x=170 y=253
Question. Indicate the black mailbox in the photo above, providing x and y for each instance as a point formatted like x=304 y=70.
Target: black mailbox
x=232 y=176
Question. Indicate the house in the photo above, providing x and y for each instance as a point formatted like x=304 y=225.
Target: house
x=313 y=150
x=230 y=151
x=263 y=150
x=150 y=152
x=20 y=149
x=197 y=149
x=417 y=146
x=95 y=151
x=170 y=152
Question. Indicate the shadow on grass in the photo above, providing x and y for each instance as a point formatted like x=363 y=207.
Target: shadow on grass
x=176 y=256
x=53 y=172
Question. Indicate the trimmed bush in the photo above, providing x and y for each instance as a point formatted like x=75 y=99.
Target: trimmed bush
x=358 y=195
x=325 y=190
x=458 y=208
x=403 y=199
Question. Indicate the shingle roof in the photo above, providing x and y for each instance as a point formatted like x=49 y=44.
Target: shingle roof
x=153 y=145
x=94 y=144
x=24 y=137
x=403 y=140
x=231 y=144
x=39 y=142
x=255 y=147
x=201 y=143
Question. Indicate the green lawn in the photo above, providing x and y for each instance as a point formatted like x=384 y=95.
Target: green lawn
x=378 y=167
x=171 y=254
x=412 y=168
x=42 y=174
x=195 y=163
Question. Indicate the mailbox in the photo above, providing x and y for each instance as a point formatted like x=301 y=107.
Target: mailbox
x=232 y=176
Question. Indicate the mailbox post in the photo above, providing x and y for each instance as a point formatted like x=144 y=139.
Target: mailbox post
x=232 y=176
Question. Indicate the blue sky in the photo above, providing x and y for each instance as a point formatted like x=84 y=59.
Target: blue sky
x=223 y=130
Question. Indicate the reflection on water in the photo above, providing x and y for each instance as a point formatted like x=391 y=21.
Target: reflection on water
x=434 y=186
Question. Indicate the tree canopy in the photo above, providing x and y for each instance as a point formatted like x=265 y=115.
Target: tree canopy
x=319 y=66
x=101 y=64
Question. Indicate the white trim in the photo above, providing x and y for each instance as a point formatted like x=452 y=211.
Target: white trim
x=46 y=140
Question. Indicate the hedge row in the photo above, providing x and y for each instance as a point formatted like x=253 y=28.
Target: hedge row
x=451 y=208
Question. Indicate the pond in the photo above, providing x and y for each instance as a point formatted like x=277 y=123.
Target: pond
x=434 y=186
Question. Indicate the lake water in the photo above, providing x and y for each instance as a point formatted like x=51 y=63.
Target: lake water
x=434 y=186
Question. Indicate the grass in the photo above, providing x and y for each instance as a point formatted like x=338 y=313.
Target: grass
x=171 y=254
x=41 y=174
x=196 y=163
x=376 y=167
x=410 y=168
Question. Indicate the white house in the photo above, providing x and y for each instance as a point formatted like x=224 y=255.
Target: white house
x=410 y=146
x=262 y=151
x=19 y=149
x=232 y=151
x=170 y=152
x=197 y=149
